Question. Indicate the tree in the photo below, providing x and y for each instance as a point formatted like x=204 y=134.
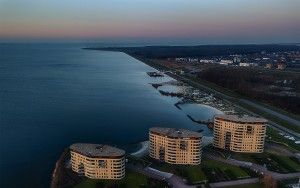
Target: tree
x=269 y=182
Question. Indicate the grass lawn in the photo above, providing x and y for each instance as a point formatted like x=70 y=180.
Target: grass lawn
x=246 y=157
x=208 y=170
x=131 y=180
x=274 y=162
x=137 y=160
x=269 y=162
x=287 y=163
x=270 y=117
x=274 y=134
x=168 y=168
x=194 y=174
x=230 y=171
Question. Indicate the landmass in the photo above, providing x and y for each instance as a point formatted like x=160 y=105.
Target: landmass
x=277 y=166
x=263 y=79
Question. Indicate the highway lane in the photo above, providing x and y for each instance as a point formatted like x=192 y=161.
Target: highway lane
x=272 y=112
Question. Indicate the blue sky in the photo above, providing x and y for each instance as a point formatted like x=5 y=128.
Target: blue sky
x=210 y=21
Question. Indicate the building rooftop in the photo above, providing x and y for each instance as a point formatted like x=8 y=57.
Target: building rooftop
x=175 y=133
x=97 y=150
x=242 y=119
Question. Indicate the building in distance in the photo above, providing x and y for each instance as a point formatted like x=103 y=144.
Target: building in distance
x=281 y=66
x=98 y=161
x=225 y=62
x=269 y=65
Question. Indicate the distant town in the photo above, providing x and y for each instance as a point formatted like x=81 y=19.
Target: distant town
x=275 y=60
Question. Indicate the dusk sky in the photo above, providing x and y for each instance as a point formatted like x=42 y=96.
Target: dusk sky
x=207 y=21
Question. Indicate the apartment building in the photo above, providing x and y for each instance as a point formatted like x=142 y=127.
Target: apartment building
x=239 y=134
x=98 y=161
x=175 y=146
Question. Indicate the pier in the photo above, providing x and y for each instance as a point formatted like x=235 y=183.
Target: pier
x=156 y=85
x=165 y=93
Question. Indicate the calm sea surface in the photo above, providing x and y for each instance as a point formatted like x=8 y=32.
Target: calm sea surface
x=52 y=95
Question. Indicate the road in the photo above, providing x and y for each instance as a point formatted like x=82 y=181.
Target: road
x=272 y=112
x=281 y=150
x=225 y=97
x=178 y=182
x=234 y=183
x=144 y=171
x=254 y=167
x=175 y=181
x=231 y=99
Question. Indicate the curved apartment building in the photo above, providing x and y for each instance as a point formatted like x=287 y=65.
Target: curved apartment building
x=98 y=161
x=239 y=134
x=175 y=146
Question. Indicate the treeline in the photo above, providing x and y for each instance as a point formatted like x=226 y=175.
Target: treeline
x=254 y=84
x=155 y=52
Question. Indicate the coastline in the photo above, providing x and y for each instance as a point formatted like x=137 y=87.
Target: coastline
x=178 y=78
x=63 y=175
x=167 y=71
x=143 y=150
x=218 y=94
